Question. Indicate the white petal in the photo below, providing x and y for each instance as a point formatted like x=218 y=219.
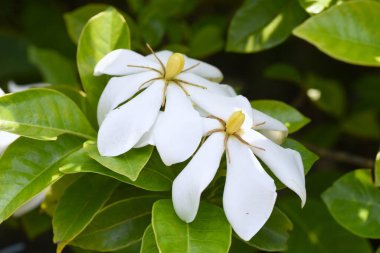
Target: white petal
x=5 y=140
x=210 y=86
x=119 y=90
x=14 y=87
x=270 y=127
x=162 y=55
x=210 y=124
x=196 y=176
x=31 y=204
x=178 y=130
x=221 y=106
x=249 y=193
x=1 y=92
x=148 y=137
x=228 y=90
x=284 y=164
x=117 y=63
x=125 y=125
x=203 y=69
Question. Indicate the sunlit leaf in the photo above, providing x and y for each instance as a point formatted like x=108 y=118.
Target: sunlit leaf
x=315 y=6
x=347 y=32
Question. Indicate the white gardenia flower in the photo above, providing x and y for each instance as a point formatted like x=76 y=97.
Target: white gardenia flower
x=249 y=193
x=131 y=102
x=8 y=138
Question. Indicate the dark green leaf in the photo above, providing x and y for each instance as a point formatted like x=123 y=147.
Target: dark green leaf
x=363 y=124
x=347 y=32
x=35 y=223
x=76 y=19
x=103 y=33
x=24 y=176
x=129 y=164
x=283 y=72
x=118 y=226
x=238 y=246
x=149 y=244
x=275 y=233
x=262 y=24
x=377 y=169
x=200 y=45
x=55 y=68
x=315 y=230
x=353 y=201
x=78 y=206
x=42 y=114
x=209 y=232
x=288 y=115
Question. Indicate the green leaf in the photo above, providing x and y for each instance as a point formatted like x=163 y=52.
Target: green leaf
x=209 y=232
x=353 y=200
x=315 y=6
x=275 y=233
x=102 y=34
x=283 y=72
x=35 y=223
x=327 y=94
x=347 y=32
x=78 y=206
x=308 y=157
x=29 y=166
x=238 y=246
x=76 y=19
x=315 y=230
x=42 y=114
x=55 y=68
x=262 y=24
x=288 y=115
x=377 y=169
x=129 y=164
x=119 y=225
x=149 y=244
x=154 y=177
x=366 y=91
x=363 y=124
x=200 y=45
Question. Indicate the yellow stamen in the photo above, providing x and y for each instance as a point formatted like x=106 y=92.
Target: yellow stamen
x=235 y=122
x=174 y=66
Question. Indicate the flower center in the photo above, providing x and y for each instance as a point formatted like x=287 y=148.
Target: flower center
x=174 y=66
x=235 y=122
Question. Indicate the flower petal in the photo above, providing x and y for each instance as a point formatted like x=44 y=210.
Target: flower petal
x=285 y=164
x=5 y=140
x=210 y=124
x=1 y=92
x=162 y=55
x=124 y=126
x=221 y=106
x=31 y=204
x=270 y=127
x=119 y=90
x=116 y=63
x=210 y=86
x=249 y=193
x=196 y=176
x=203 y=69
x=14 y=87
x=178 y=130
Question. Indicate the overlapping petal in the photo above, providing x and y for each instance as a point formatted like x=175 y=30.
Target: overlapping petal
x=284 y=164
x=196 y=176
x=125 y=125
x=210 y=86
x=178 y=130
x=270 y=127
x=249 y=193
x=118 y=63
x=119 y=90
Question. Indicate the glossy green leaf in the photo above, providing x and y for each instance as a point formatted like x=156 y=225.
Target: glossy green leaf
x=209 y=232
x=102 y=34
x=155 y=176
x=42 y=114
x=353 y=201
x=129 y=164
x=24 y=176
x=76 y=19
x=55 y=68
x=118 y=226
x=377 y=169
x=149 y=244
x=75 y=94
x=200 y=45
x=78 y=205
x=315 y=6
x=315 y=230
x=275 y=233
x=262 y=24
x=347 y=32
x=327 y=94
x=363 y=124
x=288 y=115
